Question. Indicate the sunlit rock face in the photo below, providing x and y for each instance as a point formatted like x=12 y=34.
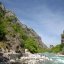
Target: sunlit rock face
x=2 y=6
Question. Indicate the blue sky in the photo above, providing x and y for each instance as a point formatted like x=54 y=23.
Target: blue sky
x=46 y=17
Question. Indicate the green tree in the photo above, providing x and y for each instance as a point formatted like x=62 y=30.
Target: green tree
x=2 y=33
x=2 y=30
x=56 y=49
x=31 y=45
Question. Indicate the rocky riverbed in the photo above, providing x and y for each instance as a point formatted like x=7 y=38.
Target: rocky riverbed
x=27 y=58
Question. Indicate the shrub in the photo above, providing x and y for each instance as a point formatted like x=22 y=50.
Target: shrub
x=2 y=31
x=31 y=45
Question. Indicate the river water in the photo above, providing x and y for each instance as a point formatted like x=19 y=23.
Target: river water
x=54 y=59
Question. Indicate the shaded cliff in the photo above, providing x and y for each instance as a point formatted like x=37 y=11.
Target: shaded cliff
x=17 y=36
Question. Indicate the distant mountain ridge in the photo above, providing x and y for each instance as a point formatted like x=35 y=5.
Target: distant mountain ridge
x=17 y=36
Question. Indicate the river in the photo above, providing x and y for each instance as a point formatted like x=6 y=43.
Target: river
x=54 y=59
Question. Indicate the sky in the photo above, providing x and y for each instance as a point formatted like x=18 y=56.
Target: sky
x=46 y=17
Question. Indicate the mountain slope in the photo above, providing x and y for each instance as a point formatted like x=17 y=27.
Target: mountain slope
x=17 y=36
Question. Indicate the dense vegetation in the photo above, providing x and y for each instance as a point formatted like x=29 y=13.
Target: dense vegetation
x=2 y=26
x=58 y=49
x=2 y=32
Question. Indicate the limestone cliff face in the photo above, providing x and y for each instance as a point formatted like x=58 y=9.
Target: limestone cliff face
x=17 y=36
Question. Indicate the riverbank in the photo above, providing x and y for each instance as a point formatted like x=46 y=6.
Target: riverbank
x=28 y=58
x=34 y=58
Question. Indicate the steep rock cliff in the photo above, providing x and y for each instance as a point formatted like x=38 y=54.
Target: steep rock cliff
x=17 y=36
